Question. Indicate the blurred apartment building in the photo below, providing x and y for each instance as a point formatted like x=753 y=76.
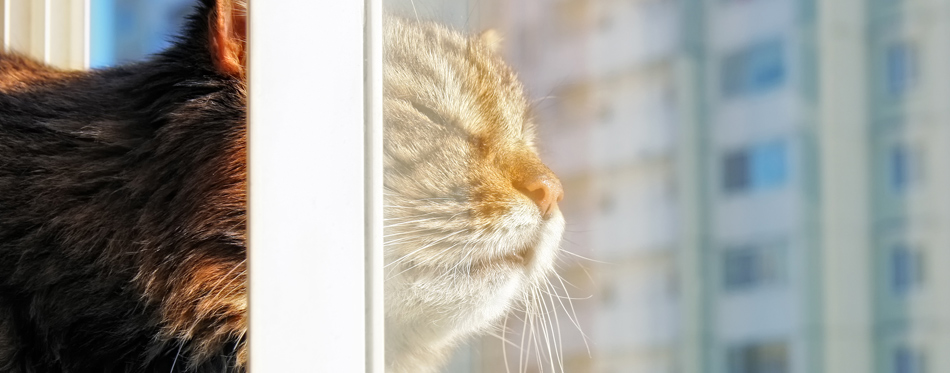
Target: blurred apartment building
x=885 y=247
x=748 y=173
x=759 y=181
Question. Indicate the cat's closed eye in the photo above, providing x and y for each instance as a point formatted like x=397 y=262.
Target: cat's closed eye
x=431 y=114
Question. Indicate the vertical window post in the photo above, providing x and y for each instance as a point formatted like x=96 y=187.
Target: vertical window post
x=375 y=320
x=315 y=206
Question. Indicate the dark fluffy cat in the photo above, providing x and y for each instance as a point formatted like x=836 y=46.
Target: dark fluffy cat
x=122 y=203
x=122 y=209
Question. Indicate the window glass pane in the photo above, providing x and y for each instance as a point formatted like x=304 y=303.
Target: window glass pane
x=900 y=169
x=908 y=360
x=906 y=269
x=769 y=165
x=736 y=176
x=766 y=66
x=754 y=266
x=762 y=166
x=771 y=357
x=742 y=268
x=905 y=167
x=901 y=63
x=756 y=69
x=129 y=30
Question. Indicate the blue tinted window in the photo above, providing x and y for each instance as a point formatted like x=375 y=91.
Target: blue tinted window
x=752 y=266
x=901 y=66
x=906 y=360
x=906 y=269
x=904 y=167
x=763 y=166
x=900 y=173
x=769 y=165
x=766 y=67
x=756 y=69
x=740 y=268
x=102 y=33
x=130 y=30
x=736 y=171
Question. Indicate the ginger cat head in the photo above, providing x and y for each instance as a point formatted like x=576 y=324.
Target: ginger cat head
x=472 y=224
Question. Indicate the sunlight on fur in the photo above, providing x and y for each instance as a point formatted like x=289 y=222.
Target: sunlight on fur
x=472 y=226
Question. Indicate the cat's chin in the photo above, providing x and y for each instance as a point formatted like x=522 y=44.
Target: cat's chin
x=430 y=310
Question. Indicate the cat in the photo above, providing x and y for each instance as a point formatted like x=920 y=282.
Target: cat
x=123 y=203
x=475 y=227
x=122 y=209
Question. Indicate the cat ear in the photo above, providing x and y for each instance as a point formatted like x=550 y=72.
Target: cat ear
x=228 y=36
x=491 y=38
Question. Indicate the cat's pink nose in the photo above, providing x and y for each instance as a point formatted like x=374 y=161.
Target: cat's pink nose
x=544 y=189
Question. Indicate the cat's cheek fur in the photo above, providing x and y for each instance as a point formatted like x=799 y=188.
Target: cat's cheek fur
x=472 y=230
x=428 y=312
x=548 y=247
x=425 y=322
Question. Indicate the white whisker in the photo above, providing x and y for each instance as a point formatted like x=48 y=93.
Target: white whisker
x=573 y=319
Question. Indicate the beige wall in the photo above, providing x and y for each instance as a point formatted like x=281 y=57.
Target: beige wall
x=845 y=210
x=53 y=31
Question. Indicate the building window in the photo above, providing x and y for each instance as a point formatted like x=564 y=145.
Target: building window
x=901 y=67
x=752 y=266
x=736 y=171
x=764 y=166
x=741 y=268
x=754 y=70
x=905 y=167
x=908 y=360
x=900 y=169
x=769 y=165
x=769 y=357
x=906 y=267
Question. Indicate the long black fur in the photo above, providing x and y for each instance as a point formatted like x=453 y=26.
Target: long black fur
x=112 y=184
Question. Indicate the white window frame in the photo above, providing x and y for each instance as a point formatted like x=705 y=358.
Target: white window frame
x=315 y=85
